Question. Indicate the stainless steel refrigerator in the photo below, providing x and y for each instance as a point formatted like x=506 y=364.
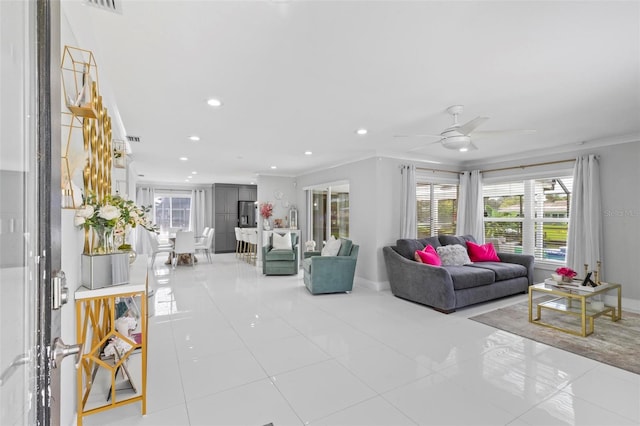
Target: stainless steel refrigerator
x=247 y=214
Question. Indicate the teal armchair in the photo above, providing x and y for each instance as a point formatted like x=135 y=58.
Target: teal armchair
x=280 y=261
x=331 y=274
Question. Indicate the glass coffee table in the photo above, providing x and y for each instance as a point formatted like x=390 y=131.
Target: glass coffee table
x=574 y=301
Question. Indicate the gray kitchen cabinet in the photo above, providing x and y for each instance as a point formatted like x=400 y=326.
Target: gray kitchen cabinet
x=226 y=197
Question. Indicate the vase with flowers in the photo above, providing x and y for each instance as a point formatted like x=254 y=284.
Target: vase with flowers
x=266 y=211
x=111 y=217
x=565 y=275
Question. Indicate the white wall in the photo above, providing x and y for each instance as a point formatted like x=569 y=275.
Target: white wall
x=374 y=216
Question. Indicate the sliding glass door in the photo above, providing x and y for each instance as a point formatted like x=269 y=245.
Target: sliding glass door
x=329 y=207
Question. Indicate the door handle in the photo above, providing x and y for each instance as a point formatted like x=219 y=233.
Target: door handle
x=59 y=290
x=59 y=351
x=17 y=361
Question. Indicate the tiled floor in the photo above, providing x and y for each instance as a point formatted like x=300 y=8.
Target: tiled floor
x=229 y=346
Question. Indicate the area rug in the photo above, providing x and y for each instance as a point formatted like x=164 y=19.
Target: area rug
x=613 y=343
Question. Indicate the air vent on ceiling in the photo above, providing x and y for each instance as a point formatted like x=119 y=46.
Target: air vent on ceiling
x=110 y=5
x=133 y=138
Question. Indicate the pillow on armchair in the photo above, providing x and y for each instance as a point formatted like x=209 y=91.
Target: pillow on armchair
x=332 y=247
x=282 y=242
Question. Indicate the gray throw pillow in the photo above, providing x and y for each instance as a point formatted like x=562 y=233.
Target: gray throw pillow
x=453 y=255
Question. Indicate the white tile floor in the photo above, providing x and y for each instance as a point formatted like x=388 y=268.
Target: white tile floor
x=229 y=346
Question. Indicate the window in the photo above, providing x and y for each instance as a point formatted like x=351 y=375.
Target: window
x=329 y=213
x=437 y=209
x=172 y=211
x=529 y=216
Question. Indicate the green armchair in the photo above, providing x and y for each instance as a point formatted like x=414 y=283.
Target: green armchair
x=331 y=274
x=279 y=261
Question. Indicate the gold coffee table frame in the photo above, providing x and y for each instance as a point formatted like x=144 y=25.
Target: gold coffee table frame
x=565 y=303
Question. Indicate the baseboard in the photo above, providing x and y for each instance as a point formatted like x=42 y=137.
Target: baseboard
x=371 y=285
x=630 y=305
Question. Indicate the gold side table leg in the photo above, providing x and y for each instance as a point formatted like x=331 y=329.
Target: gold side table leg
x=583 y=311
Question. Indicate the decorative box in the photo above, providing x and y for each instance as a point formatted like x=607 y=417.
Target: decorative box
x=105 y=270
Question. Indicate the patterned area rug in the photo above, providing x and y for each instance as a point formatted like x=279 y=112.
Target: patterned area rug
x=613 y=343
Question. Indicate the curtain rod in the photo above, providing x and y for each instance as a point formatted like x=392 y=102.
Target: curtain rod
x=438 y=170
x=527 y=165
x=523 y=166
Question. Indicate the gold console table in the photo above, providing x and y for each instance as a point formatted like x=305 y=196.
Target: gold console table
x=100 y=378
x=574 y=301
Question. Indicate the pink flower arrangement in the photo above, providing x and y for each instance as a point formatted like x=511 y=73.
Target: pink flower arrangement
x=266 y=210
x=568 y=273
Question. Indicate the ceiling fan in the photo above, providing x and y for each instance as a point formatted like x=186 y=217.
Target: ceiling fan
x=458 y=136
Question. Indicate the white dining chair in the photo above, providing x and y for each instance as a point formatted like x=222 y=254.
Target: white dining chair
x=157 y=247
x=205 y=245
x=185 y=244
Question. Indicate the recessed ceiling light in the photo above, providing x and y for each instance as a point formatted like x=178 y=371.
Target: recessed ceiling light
x=308 y=153
x=464 y=149
x=183 y=158
x=194 y=138
x=194 y=173
x=362 y=131
x=214 y=102
x=274 y=167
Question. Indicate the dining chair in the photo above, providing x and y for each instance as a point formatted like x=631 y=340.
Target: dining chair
x=157 y=247
x=185 y=244
x=205 y=245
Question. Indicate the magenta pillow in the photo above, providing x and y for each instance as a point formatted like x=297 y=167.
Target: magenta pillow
x=428 y=256
x=482 y=253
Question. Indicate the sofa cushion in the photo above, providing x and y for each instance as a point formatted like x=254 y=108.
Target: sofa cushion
x=408 y=246
x=430 y=241
x=332 y=247
x=453 y=255
x=280 y=255
x=446 y=240
x=468 y=277
x=345 y=247
x=428 y=256
x=482 y=253
x=503 y=271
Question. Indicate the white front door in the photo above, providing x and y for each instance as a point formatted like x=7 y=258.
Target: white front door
x=29 y=211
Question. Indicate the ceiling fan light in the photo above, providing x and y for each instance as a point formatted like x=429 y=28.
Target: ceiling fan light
x=456 y=142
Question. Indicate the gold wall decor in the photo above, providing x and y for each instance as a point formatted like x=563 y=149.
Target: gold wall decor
x=82 y=98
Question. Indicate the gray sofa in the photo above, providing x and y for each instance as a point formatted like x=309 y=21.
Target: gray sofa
x=446 y=288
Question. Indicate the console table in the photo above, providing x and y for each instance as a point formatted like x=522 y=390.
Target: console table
x=574 y=301
x=100 y=378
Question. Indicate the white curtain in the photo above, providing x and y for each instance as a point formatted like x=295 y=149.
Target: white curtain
x=408 y=228
x=471 y=206
x=198 y=211
x=144 y=197
x=584 y=241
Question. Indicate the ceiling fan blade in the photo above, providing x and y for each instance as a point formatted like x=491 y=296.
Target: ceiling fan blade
x=485 y=133
x=469 y=127
x=425 y=135
x=418 y=148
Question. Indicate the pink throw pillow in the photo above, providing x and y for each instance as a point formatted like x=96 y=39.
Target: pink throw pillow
x=428 y=256
x=482 y=253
